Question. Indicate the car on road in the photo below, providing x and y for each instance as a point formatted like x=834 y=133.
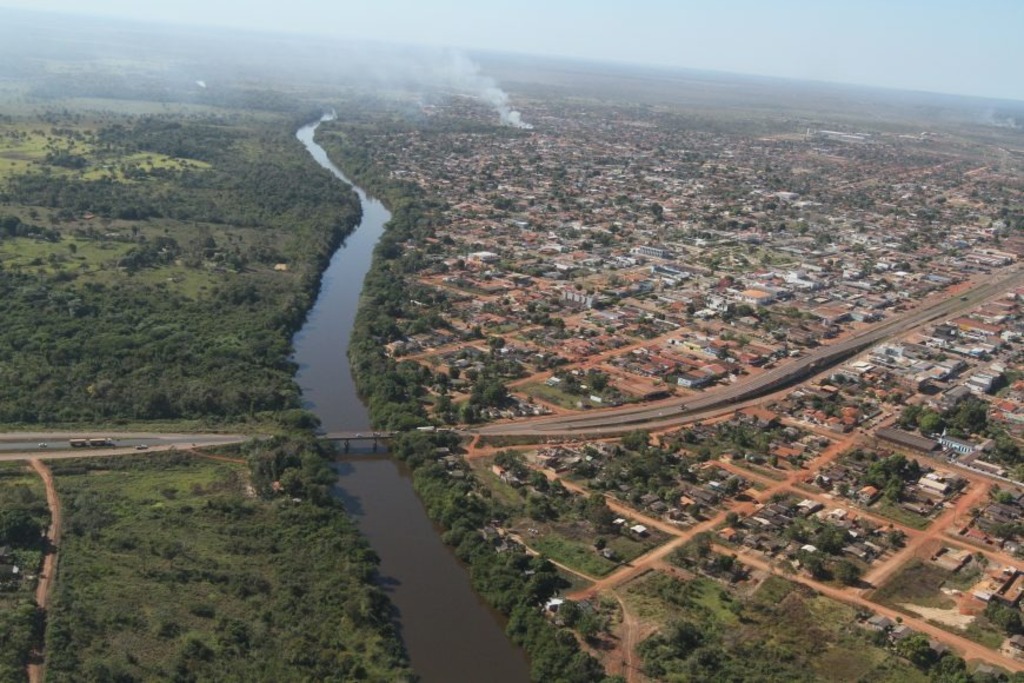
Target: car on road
x=44 y=445
x=142 y=447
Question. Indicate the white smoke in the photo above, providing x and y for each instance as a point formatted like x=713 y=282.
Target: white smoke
x=201 y=84
x=423 y=71
x=457 y=72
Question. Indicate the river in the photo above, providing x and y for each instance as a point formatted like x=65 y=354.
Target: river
x=450 y=634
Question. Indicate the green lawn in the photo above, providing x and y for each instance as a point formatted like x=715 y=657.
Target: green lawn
x=576 y=554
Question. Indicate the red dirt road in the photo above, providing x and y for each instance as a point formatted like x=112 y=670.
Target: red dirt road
x=48 y=575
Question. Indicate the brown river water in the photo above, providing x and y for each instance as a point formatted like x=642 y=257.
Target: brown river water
x=451 y=635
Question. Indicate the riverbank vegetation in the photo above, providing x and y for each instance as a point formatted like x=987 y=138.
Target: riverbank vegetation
x=175 y=568
x=510 y=580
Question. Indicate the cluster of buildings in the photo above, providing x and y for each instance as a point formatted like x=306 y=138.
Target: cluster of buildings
x=704 y=257
x=666 y=259
x=921 y=490
x=771 y=530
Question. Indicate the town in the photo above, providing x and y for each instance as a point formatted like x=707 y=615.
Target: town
x=615 y=257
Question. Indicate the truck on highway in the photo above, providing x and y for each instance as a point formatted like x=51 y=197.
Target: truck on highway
x=91 y=443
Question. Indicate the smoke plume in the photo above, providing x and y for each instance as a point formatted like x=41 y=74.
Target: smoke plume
x=462 y=74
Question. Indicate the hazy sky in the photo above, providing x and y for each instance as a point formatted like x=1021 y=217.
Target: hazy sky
x=970 y=47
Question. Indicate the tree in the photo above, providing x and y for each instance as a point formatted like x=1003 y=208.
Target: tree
x=1006 y=618
x=847 y=572
x=896 y=538
x=570 y=613
x=19 y=528
x=931 y=422
x=952 y=669
x=814 y=563
x=969 y=417
x=917 y=650
x=637 y=440
x=599 y=514
x=909 y=416
x=701 y=545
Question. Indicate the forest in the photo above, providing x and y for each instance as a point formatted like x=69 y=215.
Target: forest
x=164 y=279
x=154 y=269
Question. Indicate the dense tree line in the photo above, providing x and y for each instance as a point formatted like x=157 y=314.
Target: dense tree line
x=24 y=517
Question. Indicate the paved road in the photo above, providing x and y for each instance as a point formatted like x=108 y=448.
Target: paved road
x=55 y=445
x=679 y=410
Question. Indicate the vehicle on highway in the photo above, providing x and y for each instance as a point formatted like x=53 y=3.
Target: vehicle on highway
x=44 y=445
x=93 y=443
x=142 y=447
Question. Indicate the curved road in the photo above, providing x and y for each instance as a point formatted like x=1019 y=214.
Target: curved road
x=679 y=410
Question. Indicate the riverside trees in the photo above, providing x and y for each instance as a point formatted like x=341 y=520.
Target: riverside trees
x=154 y=294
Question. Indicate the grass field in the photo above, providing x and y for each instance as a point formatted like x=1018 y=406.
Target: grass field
x=40 y=256
x=572 y=553
x=24 y=147
x=572 y=544
x=780 y=632
x=767 y=472
x=552 y=395
x=169 y=564
x=917 y=583
x=904 y=517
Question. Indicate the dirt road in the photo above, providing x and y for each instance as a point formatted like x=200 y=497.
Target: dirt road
x=48 y=575
x=921 y=543
x=630 y=638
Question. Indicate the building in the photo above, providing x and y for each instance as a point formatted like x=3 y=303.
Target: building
x=484 y=256
x=907 y=440
x=961 y=447
x=756 y=297
x=654 y=252
x=577 y=298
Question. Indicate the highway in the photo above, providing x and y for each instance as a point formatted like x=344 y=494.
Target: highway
x=676 y=411
x=55 y=445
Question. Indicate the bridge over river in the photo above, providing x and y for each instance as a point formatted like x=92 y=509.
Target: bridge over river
x=349 y=438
